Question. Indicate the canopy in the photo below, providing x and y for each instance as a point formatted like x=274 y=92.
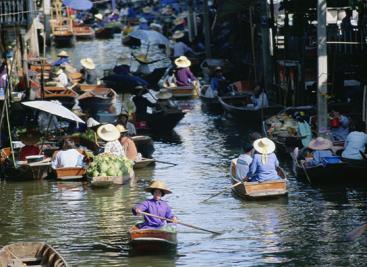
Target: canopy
x=54 y=109
x=149 y=36
x=78 y=4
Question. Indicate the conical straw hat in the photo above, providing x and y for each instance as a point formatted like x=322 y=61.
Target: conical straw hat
x=178 y=35
x=320 y=143
x=108 y=132
x=88 y=63
x=264 y=146
x=157 y=184
x=163 y=94
x=182 y=62
x=63 y=53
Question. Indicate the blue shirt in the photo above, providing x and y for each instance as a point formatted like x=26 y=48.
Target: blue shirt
x=340 y=133
x=156 y=207
x=61 y=61
x=243 y=166
x=318 y=155
x=260 y=172
x=304 y=130
x=354 y=143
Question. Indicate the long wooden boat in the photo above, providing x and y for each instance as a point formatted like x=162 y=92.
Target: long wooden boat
x=254 y=190
x=235 y=107
x=211 y=102
x=162 y=122
x=63 y=38
x=356 y=170
x=64 y=95
x=104 y=33
x=83 y=32
x=70 y=173
x=31 y=254
x=182 y=91
x=144 y=144
x=142 y=163
x=98 y=99
x=151 y=240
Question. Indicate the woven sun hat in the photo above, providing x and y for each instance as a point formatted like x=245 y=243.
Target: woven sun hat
x=121 y=128
x=92 y=123
x=320 y=143
x=178 y=35
x=30 y=139
x=63 y=53
x=264 y=146
x=108 y=132
x=88 y=63
x=147 y=9
x=98 y=16
x=182 y=62
x=163 y=94
x=157 y=184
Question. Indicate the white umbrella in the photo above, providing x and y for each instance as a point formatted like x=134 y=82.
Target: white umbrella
x=151 y=37
x=54 y=109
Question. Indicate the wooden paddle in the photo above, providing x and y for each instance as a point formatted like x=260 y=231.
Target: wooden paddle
x=217 y=194
x=353 y=235
x=185 y=224
x=305 y=171
x=166 y=162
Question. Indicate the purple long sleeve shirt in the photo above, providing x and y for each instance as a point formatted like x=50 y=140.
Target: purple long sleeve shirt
x=184 y=77
x=156 y=207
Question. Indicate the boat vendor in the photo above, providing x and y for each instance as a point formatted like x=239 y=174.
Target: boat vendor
x=217 y=86
x=155 y=206
x=110 y=134
x=318 y=148
x=142 y=103
x=123 y=119
x=99 y=22
x=164 y=101
x=184 y=76
x=63 y=59
x=61 y=78
x=243 y=162
x=260 y=98
x=179 y=47
x=265 y=162
x=127 y=143
x=355 y=143
x=339 y=126
x=303 y=129
x=30 y=140
x=68 y=157
x=89 y=71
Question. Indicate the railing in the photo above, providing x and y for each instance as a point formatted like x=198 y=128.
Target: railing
x=350 y=42
x=14 y=12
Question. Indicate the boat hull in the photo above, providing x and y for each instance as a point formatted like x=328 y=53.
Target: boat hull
x=104 y=33
x=144 y=145
x=63 y=40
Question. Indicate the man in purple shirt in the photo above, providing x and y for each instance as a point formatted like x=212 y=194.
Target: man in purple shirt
x=155 y=206
x=184 y=76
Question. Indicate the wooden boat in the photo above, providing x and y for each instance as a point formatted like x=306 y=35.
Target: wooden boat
x=211 y=102
x=24 y=170
x=235 y=107
x=255 y=190
x=83 y=32
x=98 y=99
x=107 y=181
x=63 y=37
x=182 y=91
x=71 y=173
x=161 y=122
x=30 y=254
x=144 y=145
x=142 y=163
x=104 y=33
x=74 y=77
x=151 y=240
x=64 y=95
x=356 y=170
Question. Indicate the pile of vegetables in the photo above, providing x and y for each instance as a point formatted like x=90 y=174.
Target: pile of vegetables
x=109 y=165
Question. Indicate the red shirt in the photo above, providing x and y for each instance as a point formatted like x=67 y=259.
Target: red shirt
x=28 y=151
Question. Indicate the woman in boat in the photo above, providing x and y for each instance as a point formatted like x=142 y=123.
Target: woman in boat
x=184 y=76
x=63 y=59
x=30 y=139
x=318 y=149
x=123 y=119
x=355 y=144
x=127 y=143
x=265 y=163
x=339 y=126
x=110 y=134
x=243 y=162
x=303 y=129
x=155 y=206
x=68 y=157
x=88 y=71
x=164 y=101
x=179 y=47
x=260 y=98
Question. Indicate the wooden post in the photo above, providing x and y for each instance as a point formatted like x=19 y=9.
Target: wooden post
x=208 y=50
x=322 y=69
x=265 y=47
x=190 y=21
x=252 y=44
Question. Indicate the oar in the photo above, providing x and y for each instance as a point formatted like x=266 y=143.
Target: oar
x=351 y=236
x=305 y=171
x=185 y=224
x=166 y=162
x=217 y=194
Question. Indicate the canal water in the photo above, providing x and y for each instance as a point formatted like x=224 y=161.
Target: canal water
x=89 y=227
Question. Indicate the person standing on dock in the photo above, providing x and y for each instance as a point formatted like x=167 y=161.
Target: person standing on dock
x=155 y=206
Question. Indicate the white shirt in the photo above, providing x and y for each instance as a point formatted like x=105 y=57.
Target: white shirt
x=63 y=79
x=67 y=158
x=354 y=143
x=243 y=166
x=261 y=101
x=180 y=49
x=115 y=148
